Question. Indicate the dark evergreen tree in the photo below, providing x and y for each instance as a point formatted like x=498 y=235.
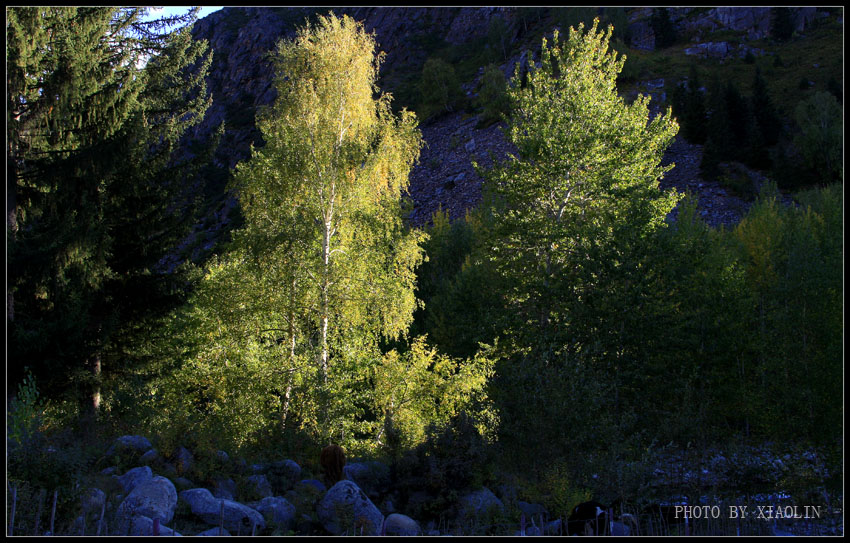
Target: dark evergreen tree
x=719 y=145
x=781 y=23
x=662 y=28
x=691 y=108
x=765 y=115
x=97 y=101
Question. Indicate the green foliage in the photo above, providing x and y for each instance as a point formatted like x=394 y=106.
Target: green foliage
x=285 y=333
x=619 y=19
x=93 y=133
x=820 y=139
x=689 y=104
x=766 y=117
x=440 y=86
x=25 y=411
x=453 y=458
x=835 y=88
x=499 y=38
x=572 y=17
x=421 y=387
x=457 y=313
x=572 y=215
x=492 y=97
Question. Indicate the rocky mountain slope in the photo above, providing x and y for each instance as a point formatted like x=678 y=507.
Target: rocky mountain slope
x=241 y=82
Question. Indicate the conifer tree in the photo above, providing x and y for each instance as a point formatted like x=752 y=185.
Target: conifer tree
x=97 y=100
x=781 y=23
x=764 y=111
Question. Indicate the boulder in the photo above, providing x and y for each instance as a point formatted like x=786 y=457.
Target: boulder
x=133 y=444
x=224 y=489
x=287 y=468
x=93 y=501
x=149 y=457
x=183 y=460
x=237 y=517
x=257 y=487
x=553 y=528
x=156 y=498
x=214 y=532
x=398 y=524
x=277 y=510
x=479 y=504
x=346 y=509
x=134 y=478
x=372 y=476
x=532 y=509
x=143 y=526
x=183 y=483
x=317 y=484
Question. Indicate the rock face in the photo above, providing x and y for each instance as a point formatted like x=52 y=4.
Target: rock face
x=237 y=517
x=346 y=509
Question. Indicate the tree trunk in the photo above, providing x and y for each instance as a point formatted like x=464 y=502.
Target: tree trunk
x=11 y=217
x=326 y=252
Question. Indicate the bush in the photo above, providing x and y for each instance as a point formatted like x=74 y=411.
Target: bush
x=492 y=97
x=820 y=139
x=440 y=87
x=454 y=458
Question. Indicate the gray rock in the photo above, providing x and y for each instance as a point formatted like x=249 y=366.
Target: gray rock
x=258 y=468
x=222 y=456
x=156 y=498
x=398 y=524
x=372 y=476
x=237 y=517
x=346 y=509
x=619 y=528
x=532 y=509
x=93 y=500
x=134 y=477
x=168 y=469
x=149 y=457
x=257 y=487
x=135 y=444
x=277 y=510
x=480 y=503
x=553 y=528
x=319 y=485
x=141 y=525
x=183 y=483
x=111 y=470
x=470 y=145
x=214 y=532
x=183 y=460
x=224 y=488
x=287 y=468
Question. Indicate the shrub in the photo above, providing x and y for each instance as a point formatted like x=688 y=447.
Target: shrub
x=440 y=87
x=492 y=97
x=820 y=139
